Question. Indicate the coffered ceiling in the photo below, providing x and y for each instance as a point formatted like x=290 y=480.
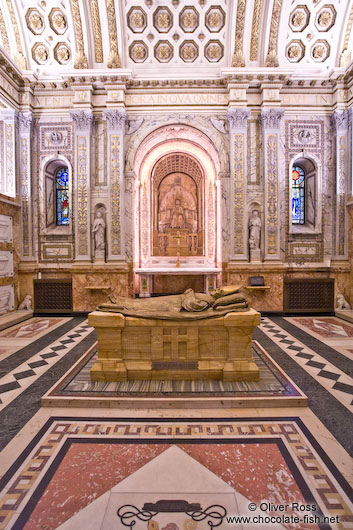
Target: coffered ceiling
x=176 y=38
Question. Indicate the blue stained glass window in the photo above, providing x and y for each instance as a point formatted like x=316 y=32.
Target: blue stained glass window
x=298 y=195
x=62 y=196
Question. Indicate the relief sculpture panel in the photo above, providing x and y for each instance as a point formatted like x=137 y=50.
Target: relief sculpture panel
x=177 y=226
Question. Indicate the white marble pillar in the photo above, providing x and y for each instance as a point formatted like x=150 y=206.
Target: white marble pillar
x=271 y=123
x=116 y=119
x=83 y=121
x=237 y=119
x=340 y=119
x=24 y=122
x=8 y=130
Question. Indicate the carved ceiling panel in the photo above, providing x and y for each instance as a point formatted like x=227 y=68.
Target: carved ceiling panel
x=176 y=32
x=49 y=33
x=312 y=32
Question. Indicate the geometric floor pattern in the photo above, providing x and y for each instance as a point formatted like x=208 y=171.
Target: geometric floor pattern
x=75 y=468
x=338 y=383
x=56 y=468
x=15 y=381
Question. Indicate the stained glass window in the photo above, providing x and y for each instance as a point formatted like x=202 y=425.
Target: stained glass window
x=62 y=196
x=298 y=195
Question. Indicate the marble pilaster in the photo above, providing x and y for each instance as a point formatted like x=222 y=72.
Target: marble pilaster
x=24 y=122
x=83 y=121
x=237 y=119
x=271 y=123
x=8 y=131
x=340 y=120
x=116 y=119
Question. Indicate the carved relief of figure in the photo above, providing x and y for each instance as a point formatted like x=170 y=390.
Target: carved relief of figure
x=178 y=216
x=255 y=230
x=99 y=231
x=177 y=205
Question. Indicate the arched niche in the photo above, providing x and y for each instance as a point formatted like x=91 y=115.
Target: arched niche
x=312 y=171
x=177 y=152
x=178 y=206
x=47 y=196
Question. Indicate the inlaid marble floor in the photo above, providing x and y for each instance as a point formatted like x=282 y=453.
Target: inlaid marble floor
x=76 y=468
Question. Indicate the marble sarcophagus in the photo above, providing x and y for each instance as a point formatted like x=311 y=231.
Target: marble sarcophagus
x=137 y=348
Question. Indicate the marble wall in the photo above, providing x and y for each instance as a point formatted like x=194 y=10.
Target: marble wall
x=11 y=208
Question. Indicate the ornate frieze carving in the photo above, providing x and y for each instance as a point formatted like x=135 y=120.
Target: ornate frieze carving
x=237 y=118
x=115 y=119
x=271 y=118
x=83 y=120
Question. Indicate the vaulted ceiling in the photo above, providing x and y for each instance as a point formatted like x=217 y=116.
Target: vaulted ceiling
x=164 y=38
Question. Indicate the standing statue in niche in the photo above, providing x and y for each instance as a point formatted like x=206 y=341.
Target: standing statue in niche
x=255 y=236
x=98 y=231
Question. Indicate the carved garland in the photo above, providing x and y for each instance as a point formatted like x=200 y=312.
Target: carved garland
x=97 y=31
x=19 y=57
x=238 y=59
x=238 y=198
x=113 y=59
x=345 y=56
x=82 y=194
x=272 y=59
x=80 y=59
x=255 y=33
x=115 y=193
x=25 y=195
x=4 y=35
x=272 y=185
x=10 y=181
x=341 y=195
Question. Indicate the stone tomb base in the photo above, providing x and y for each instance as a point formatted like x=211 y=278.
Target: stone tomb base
x=132 y=348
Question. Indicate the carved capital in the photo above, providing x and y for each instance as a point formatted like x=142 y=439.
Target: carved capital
x=24 y=122
x=115 y=119
x=237 y=118
x=340 y=120
x=83 y=120
x=271 y=118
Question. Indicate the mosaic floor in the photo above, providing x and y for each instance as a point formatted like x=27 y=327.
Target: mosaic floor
x=73 y=468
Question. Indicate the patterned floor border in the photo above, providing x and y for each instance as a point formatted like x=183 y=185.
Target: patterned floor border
x=291 y=396
x=315 y=473
x=338 y=383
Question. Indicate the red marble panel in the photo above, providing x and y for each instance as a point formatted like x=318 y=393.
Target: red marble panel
x=257 y=471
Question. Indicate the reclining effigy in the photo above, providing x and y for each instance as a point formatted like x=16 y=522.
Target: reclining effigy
x=187 y=336
x=185 y=306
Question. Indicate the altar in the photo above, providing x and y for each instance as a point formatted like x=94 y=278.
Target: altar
x=134 y=348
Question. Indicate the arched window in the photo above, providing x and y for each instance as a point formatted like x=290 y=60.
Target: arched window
x=62 y=196
x=298 y=195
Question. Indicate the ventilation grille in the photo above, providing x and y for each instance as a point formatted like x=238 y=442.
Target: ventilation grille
x=304 y=295
x=53 y=296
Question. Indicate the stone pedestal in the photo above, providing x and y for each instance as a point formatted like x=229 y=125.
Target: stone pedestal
x=255 y=255
x=132 y=348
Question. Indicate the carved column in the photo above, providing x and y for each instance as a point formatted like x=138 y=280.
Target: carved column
x=340 y=119
x=115 y=145
x=8 y=120
x=271 y=122
x=83 y=121
x=237 y=119
x=24 y=122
